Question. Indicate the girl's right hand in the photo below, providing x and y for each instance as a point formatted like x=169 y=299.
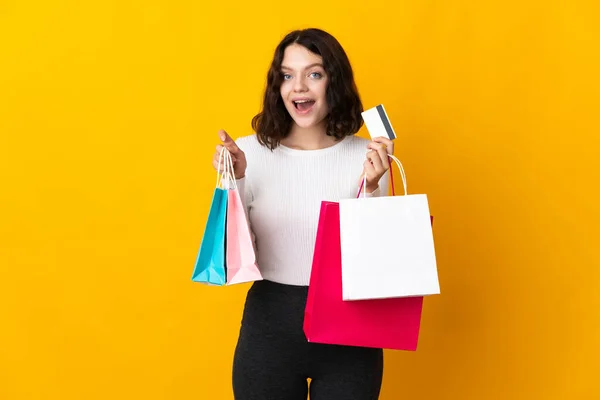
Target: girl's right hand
x=237 y=156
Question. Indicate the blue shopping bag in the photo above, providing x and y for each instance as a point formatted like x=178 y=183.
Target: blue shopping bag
x=210 y=263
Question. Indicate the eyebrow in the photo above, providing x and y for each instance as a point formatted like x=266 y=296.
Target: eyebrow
x=307 y=67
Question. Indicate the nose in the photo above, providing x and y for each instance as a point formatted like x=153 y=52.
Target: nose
x=300 y=85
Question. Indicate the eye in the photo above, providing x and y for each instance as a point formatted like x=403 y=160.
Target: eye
x=316 y=75
x=286 y=77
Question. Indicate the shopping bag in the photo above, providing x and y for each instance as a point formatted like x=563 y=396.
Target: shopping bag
x=210 y=261
x=387 y=246
x=240 y=256
x=383 y=323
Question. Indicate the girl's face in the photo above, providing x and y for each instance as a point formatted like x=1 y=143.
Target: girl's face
x=304 y=86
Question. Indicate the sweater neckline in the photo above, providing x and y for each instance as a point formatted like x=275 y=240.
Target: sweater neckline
x=324 y=150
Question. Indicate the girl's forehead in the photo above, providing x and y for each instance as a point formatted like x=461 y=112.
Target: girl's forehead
x=297 y=56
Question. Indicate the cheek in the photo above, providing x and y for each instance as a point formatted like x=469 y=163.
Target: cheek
x=284 y=89
x=322 y=90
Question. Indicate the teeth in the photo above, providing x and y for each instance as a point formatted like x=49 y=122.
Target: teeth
x=302 y=101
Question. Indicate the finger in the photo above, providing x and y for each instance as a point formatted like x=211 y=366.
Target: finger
x=369 y=170
x=215 y=161
x=389 y=144
x=375 y=159
x=219 y=160
x=228 y=142
x=218 y=148
x=219 y=156
x=218 y=167
x=383 y=154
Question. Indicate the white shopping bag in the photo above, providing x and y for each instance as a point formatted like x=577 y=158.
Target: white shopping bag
x=387 y=246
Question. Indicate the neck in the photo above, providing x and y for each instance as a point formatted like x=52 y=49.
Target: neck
x=313 y=138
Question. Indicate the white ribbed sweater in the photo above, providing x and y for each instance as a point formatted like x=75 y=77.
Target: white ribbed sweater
x=282 y=193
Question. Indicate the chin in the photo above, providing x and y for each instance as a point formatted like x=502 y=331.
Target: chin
x=307 y=124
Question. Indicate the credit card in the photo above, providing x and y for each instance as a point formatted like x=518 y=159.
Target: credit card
x=377 y=123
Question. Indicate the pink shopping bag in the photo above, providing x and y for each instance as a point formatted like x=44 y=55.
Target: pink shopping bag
x=381 y=323
x=240 y=257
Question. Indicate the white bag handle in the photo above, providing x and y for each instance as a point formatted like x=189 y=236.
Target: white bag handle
x=227 y=174
x=402 y=174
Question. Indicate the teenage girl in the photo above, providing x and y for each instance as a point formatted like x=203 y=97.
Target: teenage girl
x=304 y=151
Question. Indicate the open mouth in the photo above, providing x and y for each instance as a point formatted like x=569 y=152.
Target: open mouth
x=303 y=106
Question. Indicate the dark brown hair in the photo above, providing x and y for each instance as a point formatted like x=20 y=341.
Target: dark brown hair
x=273 y=123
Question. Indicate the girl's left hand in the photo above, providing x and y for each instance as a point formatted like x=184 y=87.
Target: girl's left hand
x=377 y=161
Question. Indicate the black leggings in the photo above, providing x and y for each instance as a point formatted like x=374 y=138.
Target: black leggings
x=273 y=359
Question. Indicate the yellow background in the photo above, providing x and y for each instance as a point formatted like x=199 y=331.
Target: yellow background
x=109 y=112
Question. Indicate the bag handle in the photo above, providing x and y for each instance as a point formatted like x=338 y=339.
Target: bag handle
x=227 y=174
x=391 y=157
